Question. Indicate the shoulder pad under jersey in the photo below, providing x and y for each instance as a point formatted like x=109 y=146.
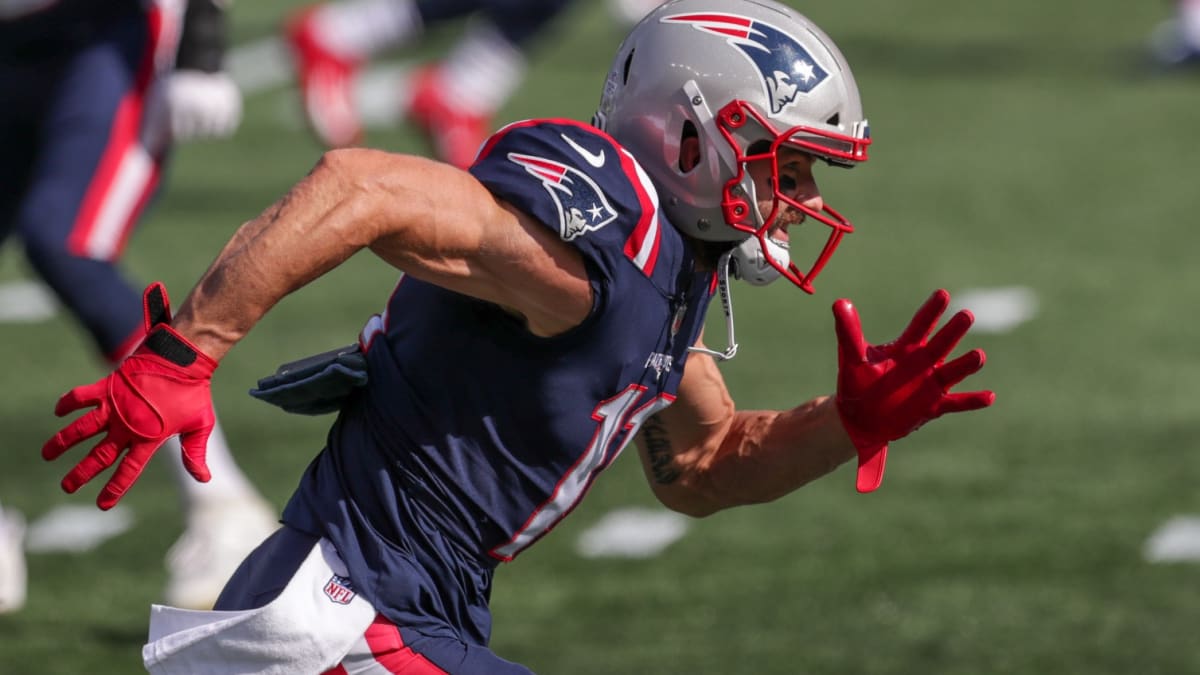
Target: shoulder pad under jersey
x=578 y=181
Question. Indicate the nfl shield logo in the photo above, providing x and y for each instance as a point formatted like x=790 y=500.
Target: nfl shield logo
x=339 y=590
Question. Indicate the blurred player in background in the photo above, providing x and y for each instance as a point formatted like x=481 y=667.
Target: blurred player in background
x=1175 y=43
x=451 y=102
x=92 y=95
x=550 y=311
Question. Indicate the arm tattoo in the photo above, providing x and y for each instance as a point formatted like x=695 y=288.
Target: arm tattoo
x=658 y=448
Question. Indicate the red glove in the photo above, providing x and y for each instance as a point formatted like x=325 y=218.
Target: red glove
x=886 y=392
x=161 y=390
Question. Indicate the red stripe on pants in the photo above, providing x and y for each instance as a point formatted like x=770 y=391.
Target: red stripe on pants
x=123 y=136
x=388 y=648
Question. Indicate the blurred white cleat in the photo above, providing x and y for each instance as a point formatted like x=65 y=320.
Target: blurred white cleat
x=218 y=537
x=12 y=561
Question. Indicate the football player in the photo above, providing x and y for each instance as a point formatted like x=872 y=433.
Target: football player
x=549 y=312
x=452 y=102
x=91 y=97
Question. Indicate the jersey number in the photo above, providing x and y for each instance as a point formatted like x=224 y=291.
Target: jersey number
x=618 y=414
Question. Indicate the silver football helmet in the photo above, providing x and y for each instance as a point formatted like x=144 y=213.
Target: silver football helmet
x=746 y=78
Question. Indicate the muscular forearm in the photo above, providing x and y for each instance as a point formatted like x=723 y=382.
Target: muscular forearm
x=762 y=456
x=768 y=454
x=431 y=220
x=322 y=221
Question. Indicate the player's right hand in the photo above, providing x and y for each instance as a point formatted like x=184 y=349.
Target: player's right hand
x=160 y=390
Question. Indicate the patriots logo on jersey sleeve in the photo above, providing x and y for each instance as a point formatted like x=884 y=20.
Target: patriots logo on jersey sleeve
x=786 y=67
x=582 y=206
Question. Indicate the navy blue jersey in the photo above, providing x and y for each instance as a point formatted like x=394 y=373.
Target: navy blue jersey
x=474 y=428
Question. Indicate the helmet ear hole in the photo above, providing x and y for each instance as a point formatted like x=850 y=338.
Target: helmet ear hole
x=689 y=147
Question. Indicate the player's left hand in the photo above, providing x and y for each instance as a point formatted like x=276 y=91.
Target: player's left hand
x=203 y=105
x=160 y=390
x=886 y=392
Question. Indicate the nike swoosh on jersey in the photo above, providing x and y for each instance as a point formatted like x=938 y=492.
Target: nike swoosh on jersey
x=596 y=159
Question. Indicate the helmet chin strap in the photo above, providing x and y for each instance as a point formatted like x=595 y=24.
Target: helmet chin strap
x=727 y=306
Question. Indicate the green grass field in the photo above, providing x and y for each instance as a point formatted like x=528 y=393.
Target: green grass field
x=1016 y=144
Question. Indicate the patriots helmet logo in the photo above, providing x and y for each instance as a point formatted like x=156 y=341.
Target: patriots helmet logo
x=786 y=67
x=582 y=206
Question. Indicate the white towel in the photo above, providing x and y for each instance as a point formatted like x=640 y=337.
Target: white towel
x=306 y=630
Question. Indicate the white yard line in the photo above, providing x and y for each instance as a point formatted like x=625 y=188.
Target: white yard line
x=632 y=533
x=1177 y=540
x=997 y=310
x=26 y=301
x=76 y=528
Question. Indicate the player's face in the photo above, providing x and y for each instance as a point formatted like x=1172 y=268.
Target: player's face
x=794 y=180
